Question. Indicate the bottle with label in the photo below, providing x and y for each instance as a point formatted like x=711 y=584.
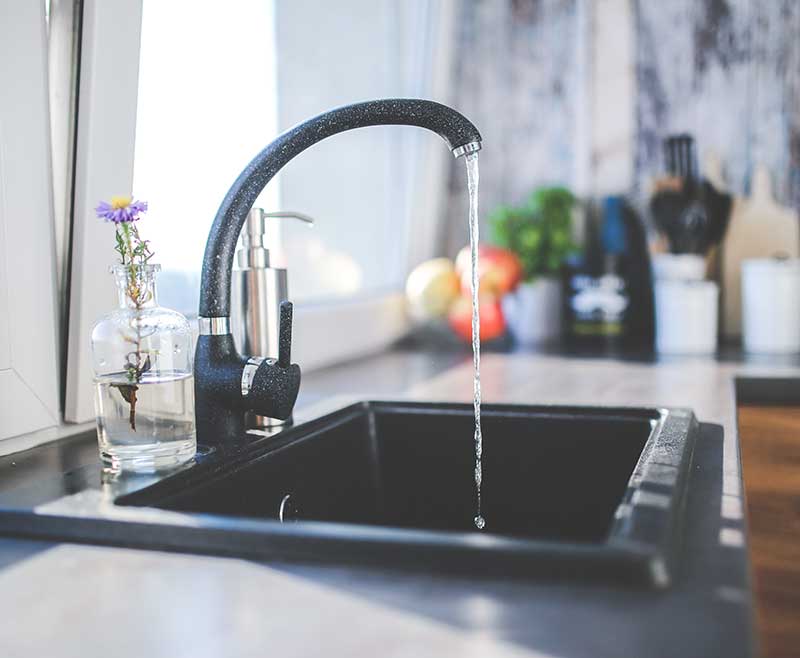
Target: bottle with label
x=608 y=287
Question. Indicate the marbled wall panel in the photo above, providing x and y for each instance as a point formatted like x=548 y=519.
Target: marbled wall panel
x=519 y=80
x=727 y=71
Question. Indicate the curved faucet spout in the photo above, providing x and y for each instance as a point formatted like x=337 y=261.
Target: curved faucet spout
x=227 y=384
x=461 y=136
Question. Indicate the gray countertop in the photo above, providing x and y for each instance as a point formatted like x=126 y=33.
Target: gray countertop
x=71 y=600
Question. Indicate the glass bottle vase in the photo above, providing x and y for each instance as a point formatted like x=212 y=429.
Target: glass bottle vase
x=143 y=384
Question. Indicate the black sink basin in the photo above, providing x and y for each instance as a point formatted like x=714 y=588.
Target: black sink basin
x=585 y=492
x=547 y=476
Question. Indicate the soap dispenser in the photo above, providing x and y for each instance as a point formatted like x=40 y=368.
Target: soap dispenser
x=257 y=290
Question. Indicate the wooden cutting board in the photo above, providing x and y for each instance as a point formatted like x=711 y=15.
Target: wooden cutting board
x=759 y=227
x=770 y=444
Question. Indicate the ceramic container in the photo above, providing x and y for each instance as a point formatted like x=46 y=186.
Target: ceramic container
x=686 y=316
x=533 y=311
x=771 y=305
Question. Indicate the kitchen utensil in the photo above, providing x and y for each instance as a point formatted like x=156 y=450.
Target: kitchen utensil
x=691 y=213
x=718 y=210
x=680 y=156
x=667 y=206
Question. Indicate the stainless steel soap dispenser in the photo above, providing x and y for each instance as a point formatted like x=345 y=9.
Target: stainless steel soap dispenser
x=257 y=290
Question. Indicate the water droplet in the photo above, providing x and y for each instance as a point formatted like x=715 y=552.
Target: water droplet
x=102 y=362
x=480 y=522
x=177 y=349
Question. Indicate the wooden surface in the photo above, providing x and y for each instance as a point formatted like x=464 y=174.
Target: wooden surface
x=770 y=445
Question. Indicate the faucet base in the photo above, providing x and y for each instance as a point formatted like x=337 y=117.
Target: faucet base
x=220 y=402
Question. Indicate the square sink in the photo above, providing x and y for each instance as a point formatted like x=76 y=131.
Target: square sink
x=567 y=492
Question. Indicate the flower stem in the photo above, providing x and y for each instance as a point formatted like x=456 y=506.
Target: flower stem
x=131 y=249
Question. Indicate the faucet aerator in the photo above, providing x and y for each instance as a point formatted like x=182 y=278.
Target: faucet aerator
x=466 y=149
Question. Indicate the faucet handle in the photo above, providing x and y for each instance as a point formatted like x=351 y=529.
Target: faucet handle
x=285 y=335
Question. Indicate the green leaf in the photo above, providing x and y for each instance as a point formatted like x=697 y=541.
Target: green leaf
x=539 y=232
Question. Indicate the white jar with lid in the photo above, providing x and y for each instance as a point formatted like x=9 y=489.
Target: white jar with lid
x=771 y=305
x=687 y=311
x=686 y=316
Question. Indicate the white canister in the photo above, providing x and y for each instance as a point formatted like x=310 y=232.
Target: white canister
x=686 y=317
x=533 y=311
x=771 y=305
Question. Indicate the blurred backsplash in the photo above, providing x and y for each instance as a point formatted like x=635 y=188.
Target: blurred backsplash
x=582 y=94
x=727 y=71
x=520 y=78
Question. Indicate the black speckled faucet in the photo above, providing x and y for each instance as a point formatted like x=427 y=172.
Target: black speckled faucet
x=228 y=385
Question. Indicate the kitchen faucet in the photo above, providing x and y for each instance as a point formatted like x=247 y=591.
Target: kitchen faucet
x=228 y=385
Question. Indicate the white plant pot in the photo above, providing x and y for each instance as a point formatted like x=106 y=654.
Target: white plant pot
x=533 y=311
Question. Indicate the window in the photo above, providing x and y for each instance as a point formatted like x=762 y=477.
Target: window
x=367 y=189
x=29 y=372
x=206 y=106
x=177 y=97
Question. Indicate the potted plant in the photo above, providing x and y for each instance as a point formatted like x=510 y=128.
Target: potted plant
x=540 y=234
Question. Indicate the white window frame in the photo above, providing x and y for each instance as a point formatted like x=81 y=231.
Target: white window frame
x=109 y=73
x=323 y=333
x=29 y=364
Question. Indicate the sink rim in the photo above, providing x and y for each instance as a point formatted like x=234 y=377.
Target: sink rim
x=646 y=522
x=641 y=546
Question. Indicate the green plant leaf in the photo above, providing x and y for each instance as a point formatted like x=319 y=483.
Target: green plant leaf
x=539 y=232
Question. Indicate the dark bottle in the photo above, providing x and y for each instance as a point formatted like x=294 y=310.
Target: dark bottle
x=640 y=319
x=609 y=292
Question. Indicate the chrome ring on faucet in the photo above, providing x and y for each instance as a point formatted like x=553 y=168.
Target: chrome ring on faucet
x=214 y=326
x=466 y=149
x=249 y=372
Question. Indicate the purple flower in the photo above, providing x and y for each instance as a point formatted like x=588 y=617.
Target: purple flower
x=121 y=209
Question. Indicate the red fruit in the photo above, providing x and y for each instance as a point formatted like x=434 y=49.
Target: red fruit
x=493 y=324
x=499 y=270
